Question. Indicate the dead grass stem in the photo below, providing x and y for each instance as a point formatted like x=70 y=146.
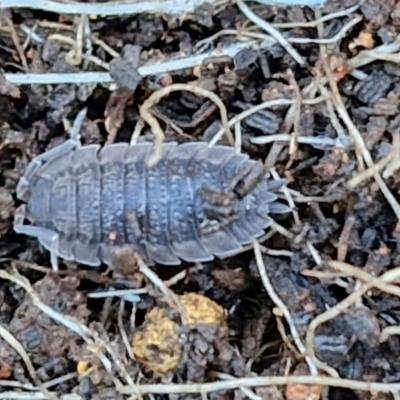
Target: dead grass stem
x=157 y=96
x=352 y=129
x=281 y=305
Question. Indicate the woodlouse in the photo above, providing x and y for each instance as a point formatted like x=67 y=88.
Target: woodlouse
x=197 y=203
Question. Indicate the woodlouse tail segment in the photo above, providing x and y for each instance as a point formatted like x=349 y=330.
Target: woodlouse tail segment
x=272 y=206
x=192 y=250
x=221 y=243
x=279 y=208
x=275 y=185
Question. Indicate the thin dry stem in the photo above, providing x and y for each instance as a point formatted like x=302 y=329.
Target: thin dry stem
x=369 y=281
x=365 y=57
x=326 y=316
x=271 y=30
x=316 y=141
x=16 y=345
x=288 y=197
x=389 y=331
x=353 y=131
x=245 y=34
x=295 y=134
x=308 y=93
x=17 y=44
x=261 y=381
x=380 y=165
x=344 y=238
x=122 y=330
x=94 y=343
x=279 y=303
x=176 y=63
x=313 y=24
x=259 y=107
x=156 y=97
x=114 y=8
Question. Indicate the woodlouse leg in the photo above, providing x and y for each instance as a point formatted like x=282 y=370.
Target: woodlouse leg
x=48 y=238
x=74 y=132
x=64 y=147
x=61 y=149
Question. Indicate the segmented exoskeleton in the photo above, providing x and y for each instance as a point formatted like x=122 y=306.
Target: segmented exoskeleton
x=197 y=203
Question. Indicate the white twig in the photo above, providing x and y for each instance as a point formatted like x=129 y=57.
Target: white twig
x=279 y=303
x=152 y=68
x=312 y=140
x=23 y=396
x=171 y=7
x=245 y=9
x=285 y=3
x=266 y=104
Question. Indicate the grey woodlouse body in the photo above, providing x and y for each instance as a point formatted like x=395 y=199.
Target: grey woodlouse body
x=197 y=203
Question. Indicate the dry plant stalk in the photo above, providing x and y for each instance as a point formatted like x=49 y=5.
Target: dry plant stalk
x=390 y=162
x=281 y=305
x=94 y=343
x=352 y=129
x=267 y=104
x=156 y=97
x=113 y=8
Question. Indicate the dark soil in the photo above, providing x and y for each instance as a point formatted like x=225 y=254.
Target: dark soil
x=353 y=225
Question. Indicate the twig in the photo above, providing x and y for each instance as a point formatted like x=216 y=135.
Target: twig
x=119 y=293
x=16 y=345
x=93 y=341
x=344 y=238
x=261 y=381
x=170 y=296
x=380 y=165
x=309 y=3
x=279 y=303
x=365 y=57
x=247 y=392
x=122 y=330
x=353 y=131
x=382 y=283
x=313 y=24
x=326 y=316
x=300 y=198
x=311 y=140
x=171 y=7
x=389 y=331
x=155 y=126
x=396 y=395
x=24 y=396
x=238 y=137
x=288 y=197
x=262 y=36
x=16 y=384
x=271 y=30
x=151 y=68
x=314 y=253
x=282 y=230
x=296 y=122
x=17 y=44
x=259 y=107
x=308 y=93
